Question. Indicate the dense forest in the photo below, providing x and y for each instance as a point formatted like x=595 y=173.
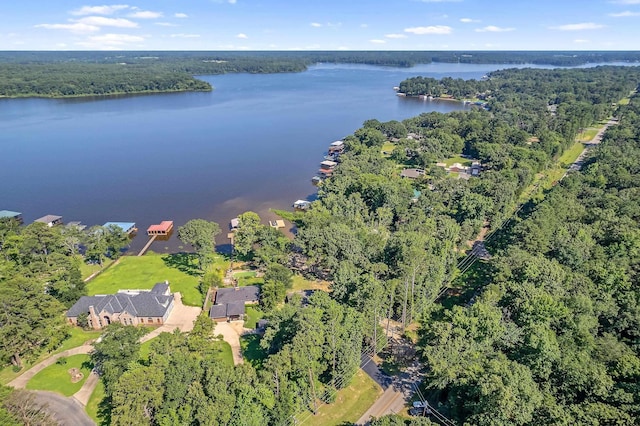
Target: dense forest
x=66 y=74
x=544 y=332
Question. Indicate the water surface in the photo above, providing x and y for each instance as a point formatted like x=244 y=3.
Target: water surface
x=252 y=144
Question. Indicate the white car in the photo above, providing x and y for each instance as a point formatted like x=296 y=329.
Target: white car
x=419 y=404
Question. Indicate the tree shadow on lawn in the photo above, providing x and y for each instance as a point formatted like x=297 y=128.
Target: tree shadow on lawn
x=184 y=262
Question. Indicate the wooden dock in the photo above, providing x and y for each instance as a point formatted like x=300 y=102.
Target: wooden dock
x=146 y=247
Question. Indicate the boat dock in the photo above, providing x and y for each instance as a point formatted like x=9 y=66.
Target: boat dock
x=146 y=246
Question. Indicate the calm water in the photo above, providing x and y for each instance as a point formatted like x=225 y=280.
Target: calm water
x=252 y=144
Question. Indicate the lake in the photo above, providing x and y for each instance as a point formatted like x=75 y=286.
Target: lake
x=252 y=144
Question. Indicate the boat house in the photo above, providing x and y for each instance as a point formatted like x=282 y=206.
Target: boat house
x=8 y=214
x=50 y=220
x=128 y=307
x=302 y=204
x=336 y=147
x=163 y=228
x=127 y=227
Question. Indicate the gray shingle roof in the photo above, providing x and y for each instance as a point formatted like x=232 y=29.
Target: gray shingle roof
x=250 y=293
x=145 y=304
x=218 y=311
x=160 y=288
x=235 y=308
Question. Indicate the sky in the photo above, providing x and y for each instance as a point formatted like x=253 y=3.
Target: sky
x=320 y=25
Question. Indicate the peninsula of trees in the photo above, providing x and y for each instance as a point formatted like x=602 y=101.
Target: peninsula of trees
x=543 y=331
x=70 y=74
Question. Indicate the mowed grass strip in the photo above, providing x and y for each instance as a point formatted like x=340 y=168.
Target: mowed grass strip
x=133 y=272
x=93 y=408
x=56 y=377
x=351 y=403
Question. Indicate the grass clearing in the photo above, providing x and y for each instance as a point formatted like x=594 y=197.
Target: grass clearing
x=624 y=101
x=570 y=155
x=351 y=403
x=254 y=314
x=387 y=148
x=56 y=377
x=587 y=134
x=133 y=272
x=224 y=352
x=301 y=283
x=457 y=159
x=94 y=409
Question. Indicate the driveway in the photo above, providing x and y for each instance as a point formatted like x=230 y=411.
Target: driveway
x=66 y=411
x=231 y=335
x=181 y=317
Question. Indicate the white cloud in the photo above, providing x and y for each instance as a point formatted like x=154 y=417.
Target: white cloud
x=99 y=10
x=581 y=41
x=181 y=15
x=232 y=1
x=441 y=1
x=493 y=29
x=468 y=20
x=166 y=24
x=110 y=41
x=395 y=36
x=624 y=14
x=364 y=26
x=316 y=24
x=242 y=35
x=433 y=29
x=145 y=14
x=78 y=27
x=343 y=48
x=578 y=27
x=185 y=35
x=61 y=45
x=377 y=41
x=626 y=1
x=101 y=21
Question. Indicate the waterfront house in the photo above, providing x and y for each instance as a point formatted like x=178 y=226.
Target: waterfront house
x=163 y=228
x=128 y=307
x=50 y=220
x=230 y=303
x=412 y=173
x=277 y=223
x=8 y=214
x=127 y=227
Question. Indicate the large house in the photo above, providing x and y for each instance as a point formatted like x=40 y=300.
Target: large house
x=229 y=302
x=128 y=307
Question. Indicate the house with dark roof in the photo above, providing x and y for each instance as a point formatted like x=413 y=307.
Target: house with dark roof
x=230 y=303
x=128 y=307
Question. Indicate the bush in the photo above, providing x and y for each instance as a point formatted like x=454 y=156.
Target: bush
x=61 y=361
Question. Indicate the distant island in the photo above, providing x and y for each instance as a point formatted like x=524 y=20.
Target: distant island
x=75 y=74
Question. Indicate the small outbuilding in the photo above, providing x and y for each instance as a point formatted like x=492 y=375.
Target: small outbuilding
x=230 y=302
x=50 y=220
x=301 y=204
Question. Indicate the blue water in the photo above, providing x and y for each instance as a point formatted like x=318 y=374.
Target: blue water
x=252 y=144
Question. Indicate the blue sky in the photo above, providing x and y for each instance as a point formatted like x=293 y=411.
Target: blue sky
x=320 y=24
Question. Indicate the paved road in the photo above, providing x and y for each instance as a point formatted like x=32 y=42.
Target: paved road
x=66 y=411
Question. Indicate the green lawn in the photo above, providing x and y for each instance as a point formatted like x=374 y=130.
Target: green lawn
x=457 y=159
x=301 y=283
x=87 y=269
x=246 y=278
x=253 y=315
x=77 y=338
x=570 y=155
x=587 y=135
x=251 y=350
x=133 y=272
x=224 y=353
x=56 y=377
x=624 y=101
x=388 y=147
x=93 y=406
x=351 y=403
